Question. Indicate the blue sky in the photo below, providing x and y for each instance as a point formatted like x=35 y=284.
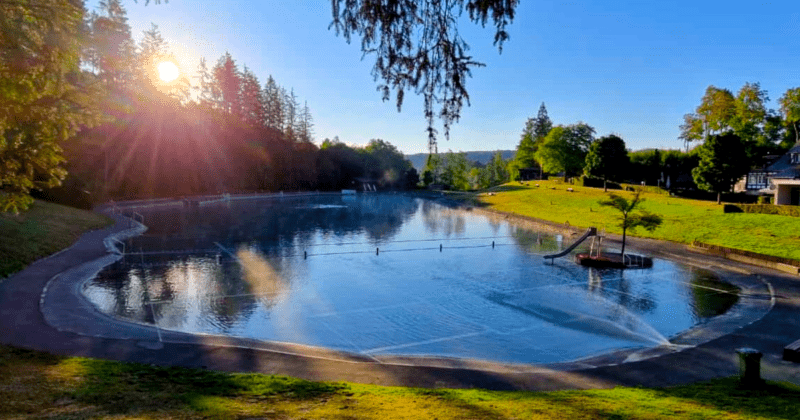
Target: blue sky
x=632 y=68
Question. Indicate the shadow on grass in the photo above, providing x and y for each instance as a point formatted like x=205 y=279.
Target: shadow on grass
x=771 y=400
x=131 y=387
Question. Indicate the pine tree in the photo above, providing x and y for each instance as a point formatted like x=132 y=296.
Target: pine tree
x=273 y=103
x=536 y=129
x=228 y=85
x=542 y=125
x=206 y=90
x=114 y=47
x=290 y=113
x=250 y=96
x=305 y=125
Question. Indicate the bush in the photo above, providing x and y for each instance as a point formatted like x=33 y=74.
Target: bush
x=765 y=199
x=793 y=211
x=732 y=208
x=588 y=181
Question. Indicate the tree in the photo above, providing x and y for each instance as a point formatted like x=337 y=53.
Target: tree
x=564 y=149
x=432 y=169
x=628 y=219
x=692 y=129
x=535 y=131
x=291 y=109
x=273 y=103
x=455 y=171
x=790 y=108
x=418 y=48
x=46 y=97
x=496 y=169
x=207 y=91
x=607 y=159
x=114 y=49
x=723 y=161
x=252 y=106
x=305 y=124
x=389 y=165
x=645 y=166
x=717 y=110
x=228 y=84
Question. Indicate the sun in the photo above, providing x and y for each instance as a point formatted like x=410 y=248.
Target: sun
x=168 y=71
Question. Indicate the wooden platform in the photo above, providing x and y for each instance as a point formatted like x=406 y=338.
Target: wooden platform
x=791 y=352
x=610 y=260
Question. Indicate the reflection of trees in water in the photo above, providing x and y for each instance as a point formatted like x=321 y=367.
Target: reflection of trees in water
x=710 y=295
x=279 y=221
x=188 y=290
x=534 y=242
x=442 y=219
x=622 y=292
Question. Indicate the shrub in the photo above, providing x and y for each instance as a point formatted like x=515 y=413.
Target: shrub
x=588 y=181
x=732 y=208
x=793 y=211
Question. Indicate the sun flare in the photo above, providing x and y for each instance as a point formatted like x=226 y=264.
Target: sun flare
x=168 y=71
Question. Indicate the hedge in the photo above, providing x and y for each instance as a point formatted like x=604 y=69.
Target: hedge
x=793 y=211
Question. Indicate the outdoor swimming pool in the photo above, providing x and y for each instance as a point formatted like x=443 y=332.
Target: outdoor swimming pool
x=385 y=274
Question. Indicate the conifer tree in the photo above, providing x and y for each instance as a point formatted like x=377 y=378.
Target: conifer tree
x=250 y=97
x=273 y=103
x=206 y=89
x=305 y=124
x=113 y=45
x=228 y=84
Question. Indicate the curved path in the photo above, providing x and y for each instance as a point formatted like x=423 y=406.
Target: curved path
x=41 y=309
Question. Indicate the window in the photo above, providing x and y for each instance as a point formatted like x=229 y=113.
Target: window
x=795 y=158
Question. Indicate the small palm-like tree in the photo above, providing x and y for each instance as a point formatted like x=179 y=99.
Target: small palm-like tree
x=629 y=219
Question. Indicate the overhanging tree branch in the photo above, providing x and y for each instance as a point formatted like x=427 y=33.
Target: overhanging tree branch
x=418 y=47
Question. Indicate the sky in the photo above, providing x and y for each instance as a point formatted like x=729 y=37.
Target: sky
x=631 y=68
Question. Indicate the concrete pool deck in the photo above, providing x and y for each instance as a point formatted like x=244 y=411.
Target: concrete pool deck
x=66 y=324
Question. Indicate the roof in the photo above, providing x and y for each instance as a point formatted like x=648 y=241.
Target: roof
x=784 y=168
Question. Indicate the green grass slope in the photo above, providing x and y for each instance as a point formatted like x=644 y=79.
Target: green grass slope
x=684 y=220
x=44 y=229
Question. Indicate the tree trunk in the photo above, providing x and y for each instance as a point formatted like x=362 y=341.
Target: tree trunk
x=605 y=187
x=624 y=229
x=719 y=198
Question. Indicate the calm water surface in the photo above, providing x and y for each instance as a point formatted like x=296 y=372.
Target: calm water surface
x=389 y=274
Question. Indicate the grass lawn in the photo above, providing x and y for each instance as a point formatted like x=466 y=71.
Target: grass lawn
x=36 y=385
x=43 y=230
x=684 y=220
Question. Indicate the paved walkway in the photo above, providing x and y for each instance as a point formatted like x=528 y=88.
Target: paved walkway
x=41 y=309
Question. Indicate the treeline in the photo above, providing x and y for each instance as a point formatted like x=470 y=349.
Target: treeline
x=146 y=137
x=734 y=133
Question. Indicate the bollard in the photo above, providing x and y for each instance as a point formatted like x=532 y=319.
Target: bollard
x=749 y=367
x=492 y=244
x=305 y=255
x=377 y=251
x=440 y=247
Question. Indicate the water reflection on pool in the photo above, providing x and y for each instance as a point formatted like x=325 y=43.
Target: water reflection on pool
x=389 y=274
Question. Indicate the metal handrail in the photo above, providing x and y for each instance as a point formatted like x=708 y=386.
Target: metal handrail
x=117 y=241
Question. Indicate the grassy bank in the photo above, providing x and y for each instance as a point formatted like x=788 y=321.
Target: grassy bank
x=684 y=220
x=38 y=385
x=43 y=230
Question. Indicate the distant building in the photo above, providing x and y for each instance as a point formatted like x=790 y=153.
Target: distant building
x=778 y=177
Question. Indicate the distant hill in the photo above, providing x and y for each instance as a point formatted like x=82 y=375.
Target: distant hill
x=418 y=159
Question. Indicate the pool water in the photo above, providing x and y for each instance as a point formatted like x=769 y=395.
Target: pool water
x=386 y=274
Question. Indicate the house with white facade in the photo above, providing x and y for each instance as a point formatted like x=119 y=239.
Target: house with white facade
x=780 y=179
